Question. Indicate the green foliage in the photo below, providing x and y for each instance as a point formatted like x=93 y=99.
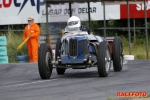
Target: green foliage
x=138 y=49
x=111 y=98
x=13 y=40
x=94 y=25
x=111 y=22
x=125 y=41
x=148 y=24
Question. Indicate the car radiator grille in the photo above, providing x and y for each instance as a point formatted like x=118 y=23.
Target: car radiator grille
x=73 y=47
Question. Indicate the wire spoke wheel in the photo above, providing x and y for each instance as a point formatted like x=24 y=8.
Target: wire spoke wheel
x=107 y=60
x=103 y=59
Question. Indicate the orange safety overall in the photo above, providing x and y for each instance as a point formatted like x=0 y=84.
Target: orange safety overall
x=33 y=42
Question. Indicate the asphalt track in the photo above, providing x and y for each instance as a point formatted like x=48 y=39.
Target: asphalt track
x=21 y=81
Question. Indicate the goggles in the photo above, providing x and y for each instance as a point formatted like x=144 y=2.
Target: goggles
x=72 y=23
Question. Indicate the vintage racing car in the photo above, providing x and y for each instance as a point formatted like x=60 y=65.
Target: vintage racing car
x=78 y=49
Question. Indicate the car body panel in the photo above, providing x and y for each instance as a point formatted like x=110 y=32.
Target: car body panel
x=77 y=48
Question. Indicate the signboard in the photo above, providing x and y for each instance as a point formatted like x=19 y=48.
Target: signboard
x=17 y=11
x=60 y=13
x=136 y=10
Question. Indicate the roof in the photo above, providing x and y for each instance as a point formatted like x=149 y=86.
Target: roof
x=123 y=1
x=63 y=1
x=88 y=0
x=107 y=1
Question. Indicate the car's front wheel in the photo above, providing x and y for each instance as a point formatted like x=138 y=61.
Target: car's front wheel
x=44 y=61
x=103 y=59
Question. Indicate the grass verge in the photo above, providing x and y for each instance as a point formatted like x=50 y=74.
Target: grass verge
x=138 y=49
x=13 y=40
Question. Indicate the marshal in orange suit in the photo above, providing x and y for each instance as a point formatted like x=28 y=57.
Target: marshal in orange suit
x=33 y=31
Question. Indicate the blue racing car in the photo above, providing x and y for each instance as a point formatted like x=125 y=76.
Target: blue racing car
x=77 y=49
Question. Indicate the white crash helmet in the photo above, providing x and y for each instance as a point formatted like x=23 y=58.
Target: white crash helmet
x=73 y=21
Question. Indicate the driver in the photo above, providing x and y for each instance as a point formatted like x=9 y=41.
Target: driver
x=74 y=28
x=74 y=24
x=73 y=21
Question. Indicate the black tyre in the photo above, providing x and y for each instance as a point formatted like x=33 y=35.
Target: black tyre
x=44 y=61
x=103 y=59
x=117 y=54
x=60 y=71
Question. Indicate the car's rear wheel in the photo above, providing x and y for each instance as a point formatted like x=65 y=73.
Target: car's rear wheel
x=117 y=54
x=103 y=59
x=44 y=61
x=60 y=71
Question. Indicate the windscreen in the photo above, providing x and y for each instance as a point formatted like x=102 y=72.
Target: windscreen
x=72 y=29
